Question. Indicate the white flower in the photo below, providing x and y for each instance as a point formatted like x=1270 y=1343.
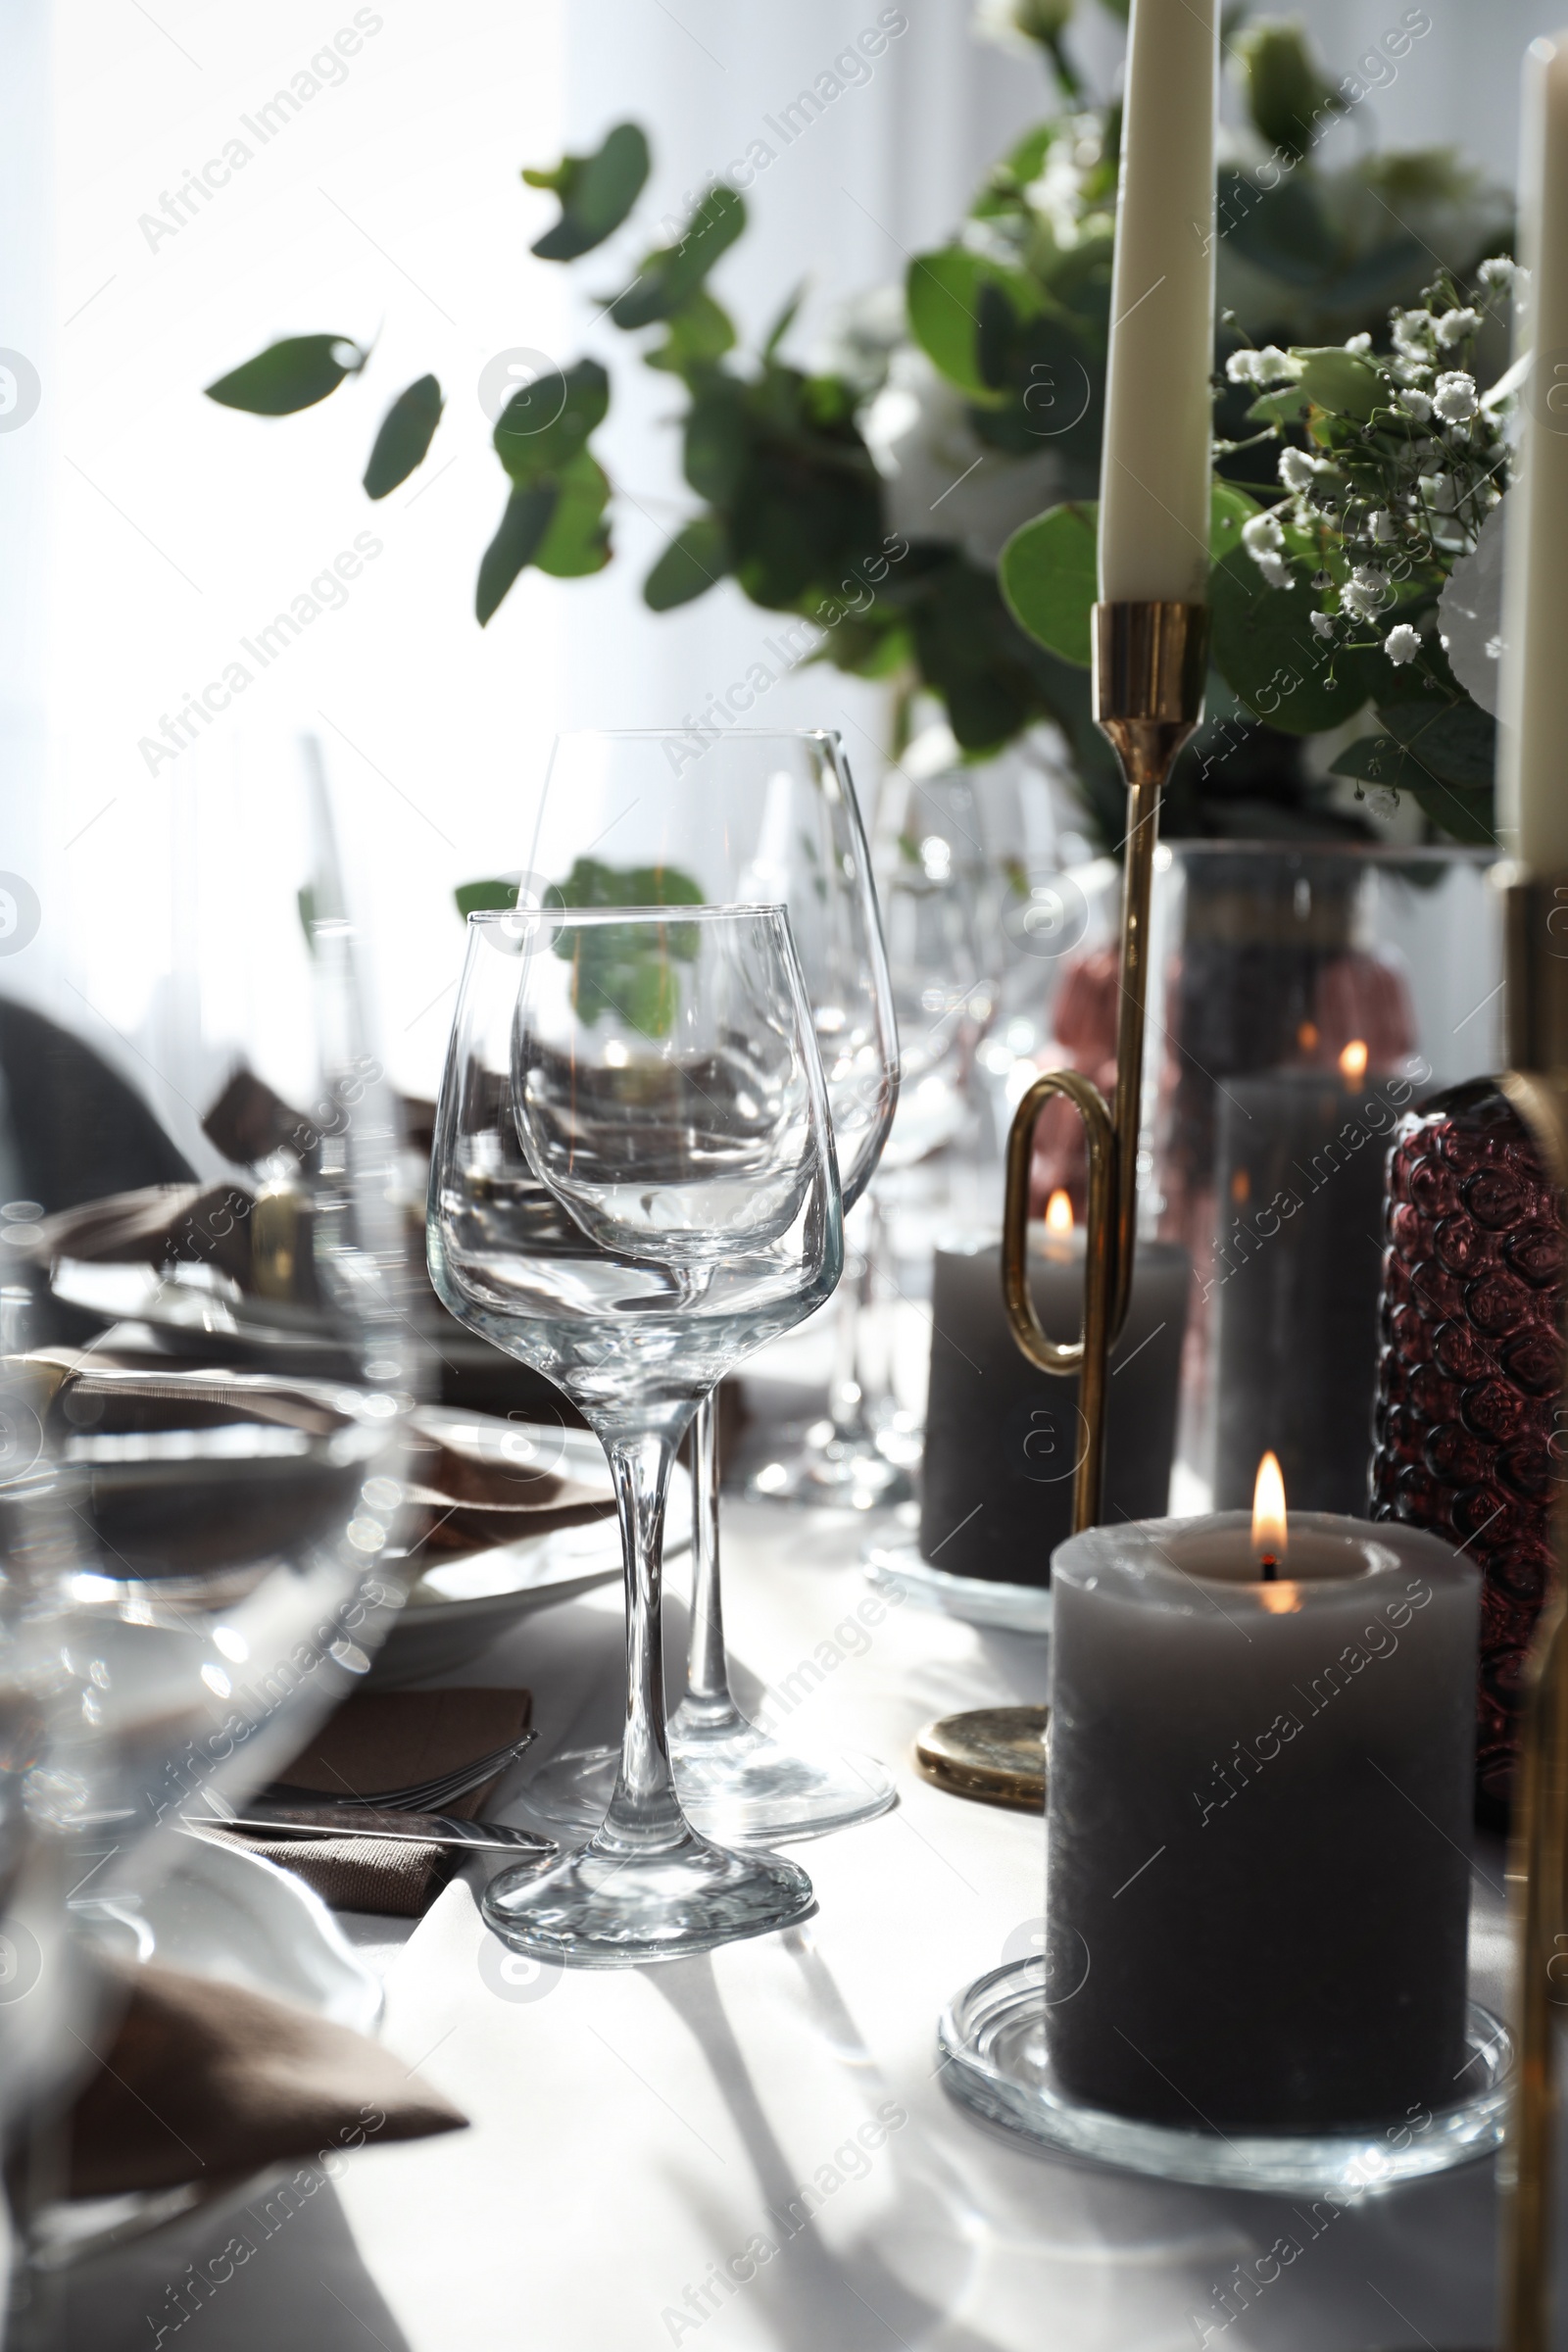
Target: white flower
x=1297 y=470
x=1262 y=534
x=1416 y=404
x=1359 y=344
x=1402 y=644
x=1382 y=800
x=1453 y=326
x=1498 y=271
x=1264 y=368
x=1276 y=572
x=1370 y=580
x=1322 y=624
x=1367 y=591
x=1454 y=398
x=1380 y=523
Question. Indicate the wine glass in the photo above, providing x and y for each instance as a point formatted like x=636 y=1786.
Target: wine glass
x=633 y=1185
x=216 y=1285
x=739 y=818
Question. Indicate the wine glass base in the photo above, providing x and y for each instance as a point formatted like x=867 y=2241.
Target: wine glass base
x=609 y=1907
x=738 y=1787
x=832 y=1473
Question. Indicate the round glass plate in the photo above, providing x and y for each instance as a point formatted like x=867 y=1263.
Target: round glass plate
x=992 y=2037
x=894 y=1562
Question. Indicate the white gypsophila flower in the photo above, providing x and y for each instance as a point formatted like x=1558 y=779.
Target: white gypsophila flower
x=1453 y=326
x=1370 y=579
x=1380 y=523
x=1365 y=593
x=1276 y=572
x=1402 y=644
x=1322 y=624
x=1498 y=272
x=1262 y=369
x=1296 y=470
x=1359 y=344
x=1261 y=535
x=1411 y=329
x=1415 y=404
x=1381 y=800
x=1454 y=397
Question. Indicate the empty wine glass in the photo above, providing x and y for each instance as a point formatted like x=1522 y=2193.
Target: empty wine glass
x=655 y=818
x=634 y=1185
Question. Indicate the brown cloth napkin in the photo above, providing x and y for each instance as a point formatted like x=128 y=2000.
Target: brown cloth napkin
x=204 y=2080
x=385 y=1740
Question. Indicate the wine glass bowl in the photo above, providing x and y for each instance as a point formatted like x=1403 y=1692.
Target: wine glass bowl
x=633 y=1185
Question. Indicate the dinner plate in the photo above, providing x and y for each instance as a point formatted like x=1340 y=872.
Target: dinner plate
x=458 y=1607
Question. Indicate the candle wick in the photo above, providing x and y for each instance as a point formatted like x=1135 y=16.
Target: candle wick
x=1270 y=1567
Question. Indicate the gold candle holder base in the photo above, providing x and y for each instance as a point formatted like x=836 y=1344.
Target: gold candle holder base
x=994 y=1755
x=1150 y=663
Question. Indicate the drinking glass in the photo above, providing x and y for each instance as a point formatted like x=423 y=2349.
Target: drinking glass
x=633 y=1186
x=741 y=818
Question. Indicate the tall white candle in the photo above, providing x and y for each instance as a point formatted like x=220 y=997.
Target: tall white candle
x=1533 y=763
x=1153 y=491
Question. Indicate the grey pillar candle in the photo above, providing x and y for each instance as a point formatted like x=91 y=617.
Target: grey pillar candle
x=1257 y=1873
x=1299 y=1160
x=1002 y=1439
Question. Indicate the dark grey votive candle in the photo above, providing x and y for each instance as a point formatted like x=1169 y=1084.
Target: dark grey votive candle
x=1257 y=1837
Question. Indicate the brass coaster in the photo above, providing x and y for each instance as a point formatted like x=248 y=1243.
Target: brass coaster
x=996 y=1755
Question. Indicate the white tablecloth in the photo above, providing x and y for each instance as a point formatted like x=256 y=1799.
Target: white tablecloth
x=636 y=2132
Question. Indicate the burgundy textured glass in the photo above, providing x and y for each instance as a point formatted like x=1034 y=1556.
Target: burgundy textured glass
x=1470 y=1374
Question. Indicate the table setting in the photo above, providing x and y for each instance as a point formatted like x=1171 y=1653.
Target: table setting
x=541 y=1793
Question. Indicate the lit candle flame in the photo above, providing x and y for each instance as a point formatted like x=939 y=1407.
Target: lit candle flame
x=1352 y=1061
x=1058 y=1213
x=1270 y=1533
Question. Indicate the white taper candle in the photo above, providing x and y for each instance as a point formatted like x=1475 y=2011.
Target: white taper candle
x=1153 y=492
x=1533 y=748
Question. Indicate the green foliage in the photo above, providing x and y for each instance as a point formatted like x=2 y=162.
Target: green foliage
x=597 y=194
x=695 y=561
x=1049 y=573
x=290 y=375
x=407 y=431
x=671 y=274
x=1287 y=97
x=1263 y=646
x=547 y=424
x=518 y=536
x=492 y=896
x=620 y=968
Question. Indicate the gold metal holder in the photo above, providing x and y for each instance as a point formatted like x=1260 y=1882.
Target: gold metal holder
x=1536 y=1083
x=1149 y=668
x=1149 y=662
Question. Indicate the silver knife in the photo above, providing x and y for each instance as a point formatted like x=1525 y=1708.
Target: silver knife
x=363 y=1821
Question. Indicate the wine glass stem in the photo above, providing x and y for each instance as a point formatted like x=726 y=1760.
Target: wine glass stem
x=707 y=1705
x=846 y=1399
x=645 y=1811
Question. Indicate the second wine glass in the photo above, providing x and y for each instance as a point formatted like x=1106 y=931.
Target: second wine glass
x=633 y=1186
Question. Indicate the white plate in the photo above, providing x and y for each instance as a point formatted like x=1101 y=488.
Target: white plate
x=456 y=1610
x=235 y=1917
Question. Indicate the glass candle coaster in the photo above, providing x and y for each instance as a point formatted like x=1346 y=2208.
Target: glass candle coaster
x=992 y=2037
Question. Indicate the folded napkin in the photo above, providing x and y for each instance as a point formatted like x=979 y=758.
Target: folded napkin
x=203 y=2080
x=387 y=1739
x=475 y=1482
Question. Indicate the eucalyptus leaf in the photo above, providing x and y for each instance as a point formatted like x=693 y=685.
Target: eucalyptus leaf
x=943 y=293
x=1287 y=97
x=531 y=450
x=1049 y=579
x=1265 y=649
x=1342 y=381
x=1455 y=742
x=673 y=275
x=523 y=527
x=717 y=441
x=407 y=431
x=596 y=191
x=290 y=375
x=700 y=333
x=695 y=561
x=577 y=540
x=490 y=897
x=1382 y=759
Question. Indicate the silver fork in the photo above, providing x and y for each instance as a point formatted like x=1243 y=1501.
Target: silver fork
x=432 y=1795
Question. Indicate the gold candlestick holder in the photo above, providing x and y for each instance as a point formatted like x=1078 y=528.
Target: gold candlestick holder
x=1149 y=662
x=1536 y=1083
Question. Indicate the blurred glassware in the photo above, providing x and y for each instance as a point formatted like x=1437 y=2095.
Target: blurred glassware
x=633 y=1187
x=743 y=818
x=217 y=1282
